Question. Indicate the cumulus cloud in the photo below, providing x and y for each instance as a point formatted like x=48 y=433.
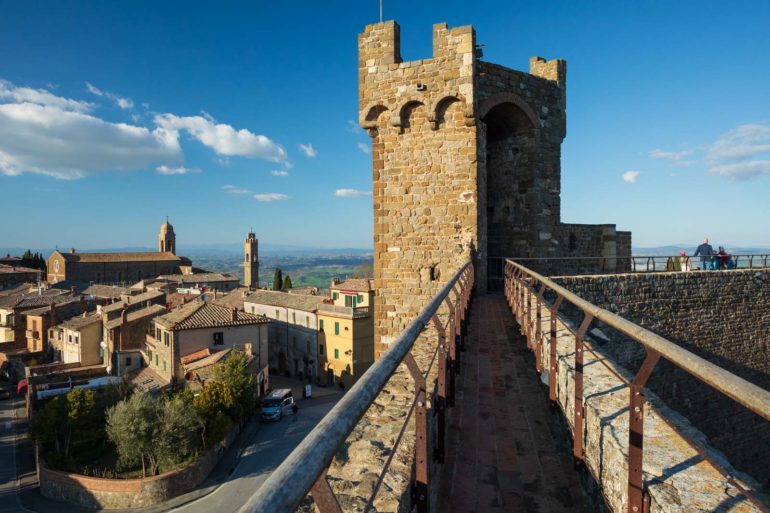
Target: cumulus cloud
x=270 y=196
x=631 y=176
x=222 y=138
x=364 y=147
x=741 y=154
x=178 y=170
x=13 y=94
x=672 y=156
x=351 y=193
x=278 y=172
x=69 y=144
x=308 y=150
x=234 y=189
x=47 y=134
x=123 y=103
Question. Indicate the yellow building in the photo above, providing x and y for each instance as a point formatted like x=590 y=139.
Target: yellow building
x=346 y=331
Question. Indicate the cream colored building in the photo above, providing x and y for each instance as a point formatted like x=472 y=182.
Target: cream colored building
x=199 y=327
x=346 y=331
x=79 y=339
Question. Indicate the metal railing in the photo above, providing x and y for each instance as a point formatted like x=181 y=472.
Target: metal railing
x=563 y=266
x=525 y=289
x=357 y=312
x=304 y=470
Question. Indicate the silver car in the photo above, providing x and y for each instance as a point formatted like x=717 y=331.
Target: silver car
x=279 y=403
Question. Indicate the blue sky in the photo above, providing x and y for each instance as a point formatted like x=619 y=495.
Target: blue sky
x=113 y=115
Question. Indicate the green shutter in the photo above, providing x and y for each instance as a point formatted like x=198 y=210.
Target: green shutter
x=336 y=328
x=336 y=354
x=321 y=325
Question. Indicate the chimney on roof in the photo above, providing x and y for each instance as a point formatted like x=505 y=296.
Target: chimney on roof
x=233 y=314
x=72 y=251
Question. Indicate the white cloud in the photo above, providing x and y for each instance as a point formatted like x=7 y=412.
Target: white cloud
x=69 y=144
x=277 y=172
x=270 y=196
x=222 y=138
x=308 y=150
x=631 y=176
x=364 y=147
x=353 y=127
x=672 y=156
x=178 y=170
x=741 y=170
x=123 y=103
x=351 y=193
x=234 y=189
x=742 y=153
x=10 y=92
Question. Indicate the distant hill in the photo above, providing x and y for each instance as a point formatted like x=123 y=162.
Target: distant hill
x=209 y=250
x=690 y=248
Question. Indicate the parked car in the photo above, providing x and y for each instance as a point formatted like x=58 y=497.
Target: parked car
x=5 y=394
x=279 y=403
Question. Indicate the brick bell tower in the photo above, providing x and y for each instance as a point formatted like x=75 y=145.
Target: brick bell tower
x=251 y=261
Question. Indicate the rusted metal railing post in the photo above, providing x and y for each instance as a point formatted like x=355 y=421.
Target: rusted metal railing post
x=552 y=361
x=441 y=386
x=636 y=493
x=420 y=486
x=578 y=449
x=323 y=495
x=539 y=330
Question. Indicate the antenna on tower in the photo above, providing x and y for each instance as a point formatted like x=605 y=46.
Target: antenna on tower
x=380 y=11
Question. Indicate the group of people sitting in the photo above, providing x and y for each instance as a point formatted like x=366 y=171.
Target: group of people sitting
x=709 y=259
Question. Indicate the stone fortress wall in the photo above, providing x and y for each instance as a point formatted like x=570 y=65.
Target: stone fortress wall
x=466 y=159
x=720 y=316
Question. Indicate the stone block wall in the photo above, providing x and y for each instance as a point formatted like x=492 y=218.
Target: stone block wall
x=722 y=316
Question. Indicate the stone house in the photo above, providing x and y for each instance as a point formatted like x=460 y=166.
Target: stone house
x=220 y=282
x=11 y=276
x=200 y=326
x=346 y=331
x=294 y=348
x=80 y=339
x=39 y=320
x=124 y=336
x=13 y=308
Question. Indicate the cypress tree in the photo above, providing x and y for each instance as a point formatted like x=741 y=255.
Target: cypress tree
x=277 y=279
x=287 y=282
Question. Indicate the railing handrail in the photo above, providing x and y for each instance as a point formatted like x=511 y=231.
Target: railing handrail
x=292 y=480
x=738 y=389
x=627 y=257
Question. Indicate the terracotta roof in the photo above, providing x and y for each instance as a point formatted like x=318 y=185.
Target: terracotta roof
x=45 y=309
x=132 y=300
x=199 y=278
x=233 y=299
x=146 y=380
x=194 y=356
x=80 y=321
x=33 y=300
x=149 y=256
x=282 y=299
x=16 y=269
x=106 y=291
x=206 y=315
x=210 y=359
x=137 y=315
x=355 y=285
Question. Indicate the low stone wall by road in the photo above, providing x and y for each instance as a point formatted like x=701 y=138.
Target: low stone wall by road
x=97 y=493
x=722 y=316
x=678 y=479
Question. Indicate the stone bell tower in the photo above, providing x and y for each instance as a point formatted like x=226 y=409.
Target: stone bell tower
x=167 y=238
x=251 y=261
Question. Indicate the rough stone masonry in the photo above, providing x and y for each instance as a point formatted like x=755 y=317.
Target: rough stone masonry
x=466 y=160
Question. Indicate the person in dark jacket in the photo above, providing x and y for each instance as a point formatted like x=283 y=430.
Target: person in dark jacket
x=705 y=251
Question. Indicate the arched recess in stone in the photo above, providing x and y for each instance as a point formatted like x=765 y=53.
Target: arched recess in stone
x=440 y=109
x=513 y=167
x=407 y=114
x=370 y=120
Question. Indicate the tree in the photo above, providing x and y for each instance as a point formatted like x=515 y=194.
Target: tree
x=177 y=434
x=241 y=390
x=277 y=279
x=132 y=426
x=287 y=282
x=208 y=404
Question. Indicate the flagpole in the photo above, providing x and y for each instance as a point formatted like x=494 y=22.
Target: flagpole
x=380 y=11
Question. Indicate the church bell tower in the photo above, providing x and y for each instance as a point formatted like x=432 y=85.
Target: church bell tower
x=251 y=261
x=167 y=238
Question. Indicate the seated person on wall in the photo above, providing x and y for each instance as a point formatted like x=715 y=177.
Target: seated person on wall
x=684 y=261
x=725 y=259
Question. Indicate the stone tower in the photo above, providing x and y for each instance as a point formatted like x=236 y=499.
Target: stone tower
x=466 y=160
x=167 y=238
x=251 y=261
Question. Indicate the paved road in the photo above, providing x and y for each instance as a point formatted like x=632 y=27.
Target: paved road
x=272 y=443
x=8 y=497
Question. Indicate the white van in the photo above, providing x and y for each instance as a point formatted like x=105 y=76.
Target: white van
x=279 y=403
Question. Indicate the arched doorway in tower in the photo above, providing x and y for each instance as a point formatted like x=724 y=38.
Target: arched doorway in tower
x=511 y=150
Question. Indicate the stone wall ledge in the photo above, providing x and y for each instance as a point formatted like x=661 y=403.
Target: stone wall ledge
x=677 y=477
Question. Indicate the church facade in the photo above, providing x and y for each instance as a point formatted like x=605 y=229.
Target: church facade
x=124 y=267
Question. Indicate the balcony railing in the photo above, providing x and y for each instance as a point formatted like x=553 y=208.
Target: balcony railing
x=304 y=470
x=525 y=289
x=356 y=313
